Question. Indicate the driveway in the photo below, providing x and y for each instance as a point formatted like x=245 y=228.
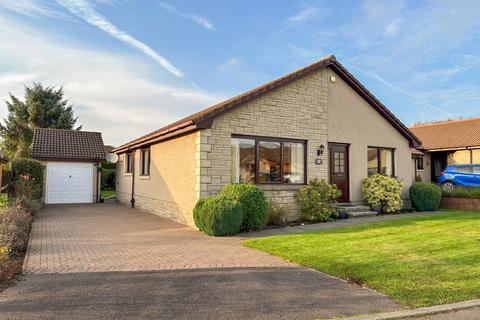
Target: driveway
x=108 y=261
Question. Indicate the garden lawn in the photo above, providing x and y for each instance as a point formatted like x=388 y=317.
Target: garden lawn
x=107 y=194
x=419 y=261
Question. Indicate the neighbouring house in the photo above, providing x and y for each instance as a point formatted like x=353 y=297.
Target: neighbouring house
x=318 y=121
x=446 y=143
x=72 y=164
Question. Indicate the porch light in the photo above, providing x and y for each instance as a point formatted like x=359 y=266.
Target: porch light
x=321 y=149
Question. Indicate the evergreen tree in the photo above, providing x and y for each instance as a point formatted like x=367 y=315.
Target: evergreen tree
x=44 y=107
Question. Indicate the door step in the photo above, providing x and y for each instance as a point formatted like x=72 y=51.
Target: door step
x=353 y=211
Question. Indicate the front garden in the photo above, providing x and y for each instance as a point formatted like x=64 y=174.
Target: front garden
x=419 y=261
x=16 y=216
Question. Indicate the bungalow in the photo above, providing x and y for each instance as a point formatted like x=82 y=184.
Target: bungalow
x=446 y=143
x=318 y=121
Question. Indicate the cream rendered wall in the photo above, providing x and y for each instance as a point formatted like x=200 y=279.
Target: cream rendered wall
x=170 y=189
x=296 y=110
x=352 y=120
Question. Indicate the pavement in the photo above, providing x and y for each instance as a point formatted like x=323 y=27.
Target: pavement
x=108 y=261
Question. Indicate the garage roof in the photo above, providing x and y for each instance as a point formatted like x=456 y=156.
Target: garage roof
x=60 y=144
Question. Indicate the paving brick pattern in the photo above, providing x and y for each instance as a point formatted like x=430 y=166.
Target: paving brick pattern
x=113 y=237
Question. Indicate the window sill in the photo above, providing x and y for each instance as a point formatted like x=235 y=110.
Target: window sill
x=279 y=186
x=128 y=174
x=144 y=177
x=421 y=170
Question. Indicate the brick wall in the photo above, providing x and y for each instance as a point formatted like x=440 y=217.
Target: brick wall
x=297 y=110
x=460 y=203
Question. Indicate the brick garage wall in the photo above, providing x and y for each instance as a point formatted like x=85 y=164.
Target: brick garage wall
x=297 y=110
x=460 y=203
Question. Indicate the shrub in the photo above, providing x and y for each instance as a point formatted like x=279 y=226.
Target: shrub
x=31 y=172
x=460 y=192
x=276 y=214
x=425 y=196
x=219 y=216
x=108 y=179
x=15 y=227
x=6 y=176
x=317 y=200
x=198 y=215
x=383 y=193
x=253 y=201
x=27 y=204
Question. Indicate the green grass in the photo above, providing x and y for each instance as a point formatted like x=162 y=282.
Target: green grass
x=3 y=200
x=107 y=194
x=419 y=261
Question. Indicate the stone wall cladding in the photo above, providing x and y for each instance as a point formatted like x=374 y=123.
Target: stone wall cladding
x=297 y=110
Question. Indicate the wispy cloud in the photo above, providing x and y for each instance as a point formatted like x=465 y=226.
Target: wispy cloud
x=198 y=19
x=418 y=100
x=31 y=8
x=84 y=10
x=99 y=83
x=304 y=15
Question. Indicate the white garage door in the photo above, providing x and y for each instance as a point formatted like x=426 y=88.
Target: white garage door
x=69 y=182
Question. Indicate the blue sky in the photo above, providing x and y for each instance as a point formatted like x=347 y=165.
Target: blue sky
x=130 y=67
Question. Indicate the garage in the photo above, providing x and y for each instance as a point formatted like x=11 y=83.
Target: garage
x=72 y=164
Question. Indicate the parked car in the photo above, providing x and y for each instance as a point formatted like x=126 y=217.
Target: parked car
x=464 y=175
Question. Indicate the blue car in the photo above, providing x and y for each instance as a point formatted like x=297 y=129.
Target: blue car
x=462 y=175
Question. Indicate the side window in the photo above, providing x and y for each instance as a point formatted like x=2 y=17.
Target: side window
x=465 y=169
x=476 y=169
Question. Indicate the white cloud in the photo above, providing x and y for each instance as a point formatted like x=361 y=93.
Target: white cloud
x=84 y=10
x=112 y=93
x=198 y=19
x=31 y=8
x=304 y=15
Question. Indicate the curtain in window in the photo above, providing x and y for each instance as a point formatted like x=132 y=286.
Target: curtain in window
x=294 y=162
x=243 y=160
x=386 y=160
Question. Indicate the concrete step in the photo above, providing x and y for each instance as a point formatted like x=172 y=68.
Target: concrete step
x=356 y=214
x=352 y=208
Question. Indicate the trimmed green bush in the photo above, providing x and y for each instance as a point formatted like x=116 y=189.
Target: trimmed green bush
x=219 y=216
x=317 y=200
x=460 y=192
x=108 y=179
x=383 y=193
x=425 y=196
x=198 y=215
x=254 y=202
x=27 y=178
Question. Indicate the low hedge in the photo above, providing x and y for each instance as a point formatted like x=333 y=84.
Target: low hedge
x=425 y=196
x=254 y=202
x=460 y=192
x=218 y=216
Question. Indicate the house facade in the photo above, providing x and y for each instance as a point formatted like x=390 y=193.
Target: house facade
x=318 y=121
x=446 y=143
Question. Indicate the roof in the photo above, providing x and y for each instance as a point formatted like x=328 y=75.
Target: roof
x=416 y=152
x=204 y=119
x=453 y=134
x=60 y=144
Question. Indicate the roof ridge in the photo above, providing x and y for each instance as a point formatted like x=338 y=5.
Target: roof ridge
x=58 y=129
x=443 y=122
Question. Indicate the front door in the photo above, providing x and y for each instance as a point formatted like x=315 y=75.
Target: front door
x=338 y=168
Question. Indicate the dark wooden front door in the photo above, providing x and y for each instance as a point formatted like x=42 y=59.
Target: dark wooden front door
x=338 y=167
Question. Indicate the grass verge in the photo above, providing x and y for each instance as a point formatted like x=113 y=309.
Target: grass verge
x=419 y=261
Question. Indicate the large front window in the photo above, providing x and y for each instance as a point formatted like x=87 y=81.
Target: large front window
x=380 y=160
x=268 y=161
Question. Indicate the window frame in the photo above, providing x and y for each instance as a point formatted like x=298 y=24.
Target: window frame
x=257 y=140
x=379 y=158
x=418 y=161
x=129 y=162
x=142 y=163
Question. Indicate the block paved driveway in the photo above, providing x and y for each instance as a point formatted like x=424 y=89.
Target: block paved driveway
x=113 y=237
x=108 y=261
